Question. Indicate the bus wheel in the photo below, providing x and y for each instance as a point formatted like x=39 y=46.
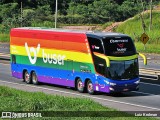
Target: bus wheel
x=80 y=87
x=27 y=77
x=34 y=78
x=90 y=88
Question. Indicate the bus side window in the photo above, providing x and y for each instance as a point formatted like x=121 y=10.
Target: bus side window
x=99 y=63
x=13 y=59
x=95 y=45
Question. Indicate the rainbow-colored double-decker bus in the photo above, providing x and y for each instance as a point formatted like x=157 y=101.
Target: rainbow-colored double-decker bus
x=85 y=60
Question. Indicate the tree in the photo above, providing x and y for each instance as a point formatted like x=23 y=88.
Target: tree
x=105 y=10
x=129 y=8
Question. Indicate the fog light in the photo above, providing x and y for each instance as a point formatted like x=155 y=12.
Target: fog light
x=111 y=89
x=97 y=88
x=137 y=82
x=112 y=84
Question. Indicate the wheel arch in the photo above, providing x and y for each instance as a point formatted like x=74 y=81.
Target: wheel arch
x=32 y=72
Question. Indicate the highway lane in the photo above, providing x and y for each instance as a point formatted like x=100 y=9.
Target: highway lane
x=146 y=99
x=4 y=48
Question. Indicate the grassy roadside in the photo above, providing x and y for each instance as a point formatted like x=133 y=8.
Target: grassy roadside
x=4 y=37
x=133 y=27
x=149 y=48
x=16 y=100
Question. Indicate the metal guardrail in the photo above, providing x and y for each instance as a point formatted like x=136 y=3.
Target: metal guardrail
x=4 y=56
x=149 y=73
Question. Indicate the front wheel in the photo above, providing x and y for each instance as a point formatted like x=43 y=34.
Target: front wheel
x=90 y=88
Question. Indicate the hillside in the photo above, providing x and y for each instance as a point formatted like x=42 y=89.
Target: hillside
x=133 y=26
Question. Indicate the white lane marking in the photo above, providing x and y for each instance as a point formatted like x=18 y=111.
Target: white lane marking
x=84 y=95
x=5 y=54
x=149 y=78
x=5 y=64
x=143 y=93
x=146 y=93
x=150 y=84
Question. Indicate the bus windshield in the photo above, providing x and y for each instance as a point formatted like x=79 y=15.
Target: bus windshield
x=123 y=70
x=118 y=46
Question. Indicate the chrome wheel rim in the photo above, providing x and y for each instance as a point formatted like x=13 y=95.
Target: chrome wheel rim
x=90 y=87
x=26 y=76
x=34 y=78
x=80 y=87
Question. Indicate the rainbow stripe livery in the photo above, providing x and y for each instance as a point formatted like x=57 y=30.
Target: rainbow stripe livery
x=65 y=58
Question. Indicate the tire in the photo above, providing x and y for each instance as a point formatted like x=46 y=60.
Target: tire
x=90 y=88
x=34 y=78
x=79 y=86
x=27 y=77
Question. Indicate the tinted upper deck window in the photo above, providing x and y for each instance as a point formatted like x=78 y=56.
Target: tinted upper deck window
x=120 y=46
x=95 y=45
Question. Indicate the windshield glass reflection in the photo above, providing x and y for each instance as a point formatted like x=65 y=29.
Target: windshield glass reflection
x=123 y=70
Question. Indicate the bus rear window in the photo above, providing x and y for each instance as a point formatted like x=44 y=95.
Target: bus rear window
x=120 y=46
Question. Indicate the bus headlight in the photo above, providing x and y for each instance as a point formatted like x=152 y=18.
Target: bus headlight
x=112 y=84
x=106 y=81
x=137 y=82
x=111 y=89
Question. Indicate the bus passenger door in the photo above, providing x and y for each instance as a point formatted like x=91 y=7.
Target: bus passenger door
x=96 y=46
x=70 y=72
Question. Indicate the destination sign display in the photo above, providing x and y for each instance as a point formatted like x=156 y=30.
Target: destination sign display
x=119 y=46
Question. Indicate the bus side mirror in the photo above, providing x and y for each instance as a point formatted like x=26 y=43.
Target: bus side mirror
x=103 y=57
x=144 y=58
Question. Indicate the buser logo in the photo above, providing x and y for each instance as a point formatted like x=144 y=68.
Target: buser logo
x=35 y=52
x=47 y=58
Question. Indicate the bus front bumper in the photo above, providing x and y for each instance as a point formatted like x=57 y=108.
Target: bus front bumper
x=117 y=88
x=134 y=87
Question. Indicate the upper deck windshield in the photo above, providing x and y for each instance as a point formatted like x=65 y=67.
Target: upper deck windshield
x=118 y=46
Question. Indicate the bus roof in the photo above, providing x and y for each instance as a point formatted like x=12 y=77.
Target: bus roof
x=105 y=34
x=97 y=34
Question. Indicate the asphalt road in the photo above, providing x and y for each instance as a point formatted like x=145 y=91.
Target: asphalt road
x=146 y=99
x=4 y=48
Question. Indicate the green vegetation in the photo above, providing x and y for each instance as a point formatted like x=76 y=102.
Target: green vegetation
x=133 y=28
x=13 y=100
x=149 y=48
x=4 y=37
x=16 y=100
x=41 y=13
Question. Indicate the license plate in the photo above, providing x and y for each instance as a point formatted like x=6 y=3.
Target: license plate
x=125 y=89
